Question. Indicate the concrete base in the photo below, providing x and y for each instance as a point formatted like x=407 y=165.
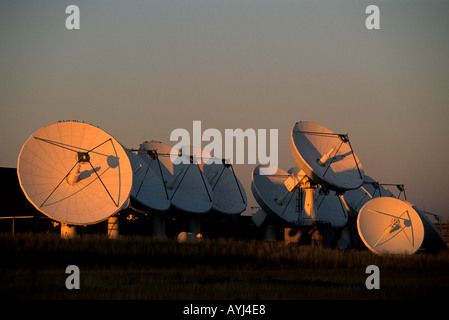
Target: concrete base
x=113 y=228
x=68 y=232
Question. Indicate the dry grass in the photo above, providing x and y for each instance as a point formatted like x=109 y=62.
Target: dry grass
x=33 y=267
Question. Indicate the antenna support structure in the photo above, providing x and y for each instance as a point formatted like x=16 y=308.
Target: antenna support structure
x=296 y=182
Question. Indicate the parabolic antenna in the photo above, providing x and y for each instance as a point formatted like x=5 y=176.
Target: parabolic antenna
x=229 y=194
x=75 y=173
x=327 y=161
x=268 y=191
x=148 y=182
x=390 y=225
x=187 y=187
x=326 y=157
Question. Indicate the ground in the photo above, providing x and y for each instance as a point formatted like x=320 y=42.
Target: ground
x=32 y=266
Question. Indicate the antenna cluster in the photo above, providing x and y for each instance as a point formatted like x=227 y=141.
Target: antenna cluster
x=329 y=193
x=78 y=174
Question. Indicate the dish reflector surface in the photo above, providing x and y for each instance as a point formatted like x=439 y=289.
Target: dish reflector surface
x=268 y=188
x=229 y=194
x=329 y=208
x=326 y=157
x=148 y=184
x=389 y=225
x=74 y=173
x=369 y=190
x=187 y=187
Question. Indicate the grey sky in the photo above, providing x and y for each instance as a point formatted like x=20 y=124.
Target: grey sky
x=140 y=69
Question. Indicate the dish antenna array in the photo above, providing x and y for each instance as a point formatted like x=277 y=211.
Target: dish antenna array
x=193 y=181
x=77 y=174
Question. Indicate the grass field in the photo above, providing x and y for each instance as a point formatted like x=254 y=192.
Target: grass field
x=32 y=266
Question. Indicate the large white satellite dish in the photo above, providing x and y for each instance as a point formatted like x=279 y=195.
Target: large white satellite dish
x=326 y=157
x=229 y=194
x=327 y=161
x=75 y=173
x=389 y=225
x=186 y=185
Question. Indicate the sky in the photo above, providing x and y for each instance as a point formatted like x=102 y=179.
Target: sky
x=141 y=69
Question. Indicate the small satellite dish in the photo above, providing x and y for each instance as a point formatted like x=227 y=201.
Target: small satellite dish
x=229 y=194
x=268 y=191
x=148 y=182
x=388 y=225
x=326 y=157
x=75 y=173
x=186 y=185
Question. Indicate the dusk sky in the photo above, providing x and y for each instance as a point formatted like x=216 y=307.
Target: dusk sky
x=141 y=69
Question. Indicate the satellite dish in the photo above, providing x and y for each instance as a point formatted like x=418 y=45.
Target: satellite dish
x=186 y=185
x=268 y=189
x=229 y=194
x=326 y=157
x=389 y=225
x=327 y=161
x=75 y=173
x=148 y=182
